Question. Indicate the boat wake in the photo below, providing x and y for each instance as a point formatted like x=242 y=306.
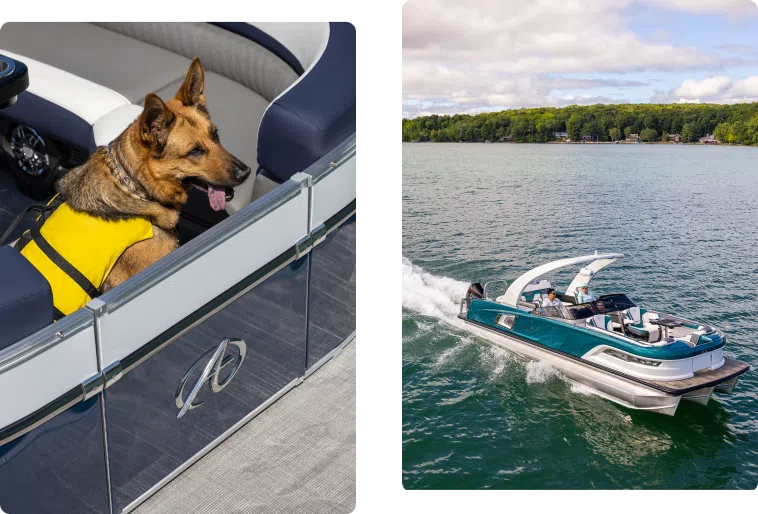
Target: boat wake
x=431 y=295
x=539 y=372
x=439 y=297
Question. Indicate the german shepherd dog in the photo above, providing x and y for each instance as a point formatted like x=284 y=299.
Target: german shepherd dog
x=148 y=169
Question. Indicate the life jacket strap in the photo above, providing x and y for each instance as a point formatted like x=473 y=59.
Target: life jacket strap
x=36 y=208
x=63 y=264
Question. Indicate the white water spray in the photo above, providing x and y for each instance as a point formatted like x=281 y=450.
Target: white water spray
x=431 y=295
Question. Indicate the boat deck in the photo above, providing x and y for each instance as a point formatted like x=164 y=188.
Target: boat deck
x=729 y=370
x=296 y=456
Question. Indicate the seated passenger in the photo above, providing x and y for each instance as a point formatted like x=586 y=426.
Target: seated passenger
x=550 y=300
x=584 y=294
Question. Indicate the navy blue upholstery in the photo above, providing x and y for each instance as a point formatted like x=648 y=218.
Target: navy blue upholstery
x=51 y=119
x=26 y=300
x=272 y=45
x=316 y=114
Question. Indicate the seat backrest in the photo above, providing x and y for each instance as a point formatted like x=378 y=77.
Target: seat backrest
x=633 y=313
x=602 y=321
x=234 y=56
x=296 y=130
x=298 y=43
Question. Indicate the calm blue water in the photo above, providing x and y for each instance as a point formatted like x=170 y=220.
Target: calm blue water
x=479 y=417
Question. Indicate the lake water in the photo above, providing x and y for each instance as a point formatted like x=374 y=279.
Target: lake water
x=474 y=416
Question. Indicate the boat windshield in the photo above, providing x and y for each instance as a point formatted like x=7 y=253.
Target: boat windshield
x=550 y=311
x=604 y=305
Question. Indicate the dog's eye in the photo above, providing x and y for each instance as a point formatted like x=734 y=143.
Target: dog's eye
x=214 y=134
x=196 y=151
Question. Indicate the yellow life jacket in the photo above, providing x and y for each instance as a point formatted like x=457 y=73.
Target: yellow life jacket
x=75 y=251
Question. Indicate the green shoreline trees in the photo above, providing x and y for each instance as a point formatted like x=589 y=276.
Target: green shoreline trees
x=737 y=123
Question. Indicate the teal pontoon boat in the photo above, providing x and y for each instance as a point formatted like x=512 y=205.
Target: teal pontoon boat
x=635 y=357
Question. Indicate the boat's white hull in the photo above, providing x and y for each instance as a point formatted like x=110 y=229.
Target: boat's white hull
x=612 y=387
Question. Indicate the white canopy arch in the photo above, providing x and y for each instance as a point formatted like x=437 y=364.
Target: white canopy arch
x=599 y=261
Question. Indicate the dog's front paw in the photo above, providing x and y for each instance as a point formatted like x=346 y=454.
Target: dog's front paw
x=167 y=219
x=180 y=197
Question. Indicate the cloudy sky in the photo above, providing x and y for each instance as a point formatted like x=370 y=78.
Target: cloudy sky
x=469 y=56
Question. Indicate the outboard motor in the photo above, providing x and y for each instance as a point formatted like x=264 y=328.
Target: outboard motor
x=475 y=292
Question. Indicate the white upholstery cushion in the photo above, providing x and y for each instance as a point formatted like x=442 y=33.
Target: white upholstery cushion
x=80 y=96
x=306 y=40
x=110 y=126
x=600 y=321
x=634 y=314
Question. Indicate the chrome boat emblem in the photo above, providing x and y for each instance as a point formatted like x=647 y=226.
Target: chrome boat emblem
x=218 y=361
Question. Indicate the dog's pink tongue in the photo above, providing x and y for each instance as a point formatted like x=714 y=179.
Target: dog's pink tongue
x=217 y=198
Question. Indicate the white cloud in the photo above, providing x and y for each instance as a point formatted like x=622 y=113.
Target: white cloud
x=747 y=87
x=445 y=91
x=488 y=54
x=483 y=55
x=714 y=90
x=554 y=36
x=734 y=9
x=710 y=87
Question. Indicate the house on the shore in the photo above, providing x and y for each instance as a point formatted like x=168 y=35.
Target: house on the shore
x=709 y=139
x=675 y=138
x=560 y=135
x=587 y=138
x=633 y=137
x=503 y=139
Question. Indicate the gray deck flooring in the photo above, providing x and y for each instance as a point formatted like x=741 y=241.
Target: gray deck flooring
x=297 y=456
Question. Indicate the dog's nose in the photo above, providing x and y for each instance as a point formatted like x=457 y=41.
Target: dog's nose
x=240 y=170
x=242 y=174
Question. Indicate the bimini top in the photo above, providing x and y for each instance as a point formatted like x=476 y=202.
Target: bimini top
x=598 y=260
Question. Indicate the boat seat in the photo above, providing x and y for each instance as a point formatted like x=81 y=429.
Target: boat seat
x=650 y=333
x=601 y=321
x=282 y=94
x=115 y=61
x=242 y=78
x=638 y=324
x=26 y=300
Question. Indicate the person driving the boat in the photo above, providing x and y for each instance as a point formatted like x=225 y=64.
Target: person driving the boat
x=584 y=294
x=551 y=300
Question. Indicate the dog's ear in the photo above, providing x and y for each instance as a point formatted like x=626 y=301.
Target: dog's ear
x=191 y=92
x=155 y=123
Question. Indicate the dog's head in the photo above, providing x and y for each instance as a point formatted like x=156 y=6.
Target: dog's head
x=184 y=146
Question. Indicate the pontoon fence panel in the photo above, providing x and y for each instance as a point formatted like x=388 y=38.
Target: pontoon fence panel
x=147 y=442
x=52 y=456
x=187 y=279
x=331 y=315
x=333 y=190
x=44 y=366
x=57 y=467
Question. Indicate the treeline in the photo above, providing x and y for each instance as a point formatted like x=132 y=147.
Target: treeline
x=736 y=123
